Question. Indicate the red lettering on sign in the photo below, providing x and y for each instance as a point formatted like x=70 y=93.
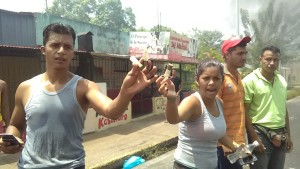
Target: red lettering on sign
x=103 y=121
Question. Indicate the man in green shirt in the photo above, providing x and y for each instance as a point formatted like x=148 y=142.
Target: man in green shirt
x=265 y=103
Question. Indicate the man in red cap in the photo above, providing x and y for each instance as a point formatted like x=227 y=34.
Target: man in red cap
x=232 y=93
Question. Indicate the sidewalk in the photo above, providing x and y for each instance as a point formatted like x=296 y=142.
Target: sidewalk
x=109 y=148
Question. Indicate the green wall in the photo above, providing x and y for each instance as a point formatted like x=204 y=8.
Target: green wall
x=104 y=41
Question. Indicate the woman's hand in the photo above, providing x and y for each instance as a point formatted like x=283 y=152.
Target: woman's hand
x=166 y=87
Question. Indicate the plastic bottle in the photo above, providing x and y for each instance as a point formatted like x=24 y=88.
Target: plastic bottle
x=242 y=152
x=132 y=162
x=246 y=166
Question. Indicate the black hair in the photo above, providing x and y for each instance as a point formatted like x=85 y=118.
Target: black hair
x=209 y=62
x=271 y=48
x=58 y=28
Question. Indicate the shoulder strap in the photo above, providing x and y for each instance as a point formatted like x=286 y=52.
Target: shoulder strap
x=219 y=106
x=197 y=94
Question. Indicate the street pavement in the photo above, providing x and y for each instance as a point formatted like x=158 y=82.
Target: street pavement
x=292 y=159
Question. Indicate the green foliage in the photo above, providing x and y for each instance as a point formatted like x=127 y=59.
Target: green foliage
x=110 y=15
x=142 y=29
x=187 y=76
x=157 y=28
x=245 y=21
x=153 y=152
x=273 y=25
x=107 y=14
x=73 y=9
x=160 y=28
x=209 y=44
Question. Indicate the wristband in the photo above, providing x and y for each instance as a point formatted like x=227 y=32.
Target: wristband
x=171 y=99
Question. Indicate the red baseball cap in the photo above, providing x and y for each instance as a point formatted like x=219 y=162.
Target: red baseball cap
x=232 y=42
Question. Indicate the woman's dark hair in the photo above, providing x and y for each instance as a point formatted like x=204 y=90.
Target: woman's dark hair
x=209 y=62
x=58 y=28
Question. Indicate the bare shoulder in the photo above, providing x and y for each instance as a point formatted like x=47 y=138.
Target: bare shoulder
x=191 y=98
x=24 y=86
x=2 y=82
x=23 y=92
x=86 y=84
x=190 y=107
x=191 y=102
x=3 y=85
x=83 y=82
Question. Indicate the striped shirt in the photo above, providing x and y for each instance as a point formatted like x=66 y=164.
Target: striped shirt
x=232 y=93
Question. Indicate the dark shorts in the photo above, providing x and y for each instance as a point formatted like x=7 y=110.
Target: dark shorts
x=81 y=167
x=177 y=165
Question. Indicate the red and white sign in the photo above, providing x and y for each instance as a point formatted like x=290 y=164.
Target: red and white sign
x=163 y=45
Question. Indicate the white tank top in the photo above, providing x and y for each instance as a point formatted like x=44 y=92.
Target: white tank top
x=197 y=140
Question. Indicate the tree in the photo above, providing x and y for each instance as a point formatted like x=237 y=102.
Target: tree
x=157 y=28
x=129 y=18
x=73 y=9
x=160 y=28
x=209 y=43
x=107 y=14
x=142 y=29
x=274 y=25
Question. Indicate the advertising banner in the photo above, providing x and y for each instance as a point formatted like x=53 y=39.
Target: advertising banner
x=163 y=45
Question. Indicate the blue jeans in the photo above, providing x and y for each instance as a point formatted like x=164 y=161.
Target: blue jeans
x=272 y=158
x=224 y=163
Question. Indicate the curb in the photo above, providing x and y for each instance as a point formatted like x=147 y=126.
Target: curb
x=118 y=162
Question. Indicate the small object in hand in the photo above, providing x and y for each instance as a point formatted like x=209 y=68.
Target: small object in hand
x=168 y=70
x=277 y=140
x=135 y=61
x=145 y=55
x=10 y=138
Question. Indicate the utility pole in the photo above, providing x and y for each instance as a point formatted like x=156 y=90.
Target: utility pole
x=46 y=5
x=237 y=18
x=158 y=18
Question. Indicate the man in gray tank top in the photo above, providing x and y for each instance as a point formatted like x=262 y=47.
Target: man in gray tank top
x=53 y=105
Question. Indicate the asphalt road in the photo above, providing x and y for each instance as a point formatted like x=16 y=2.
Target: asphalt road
x=293 y=158
x=165 y=161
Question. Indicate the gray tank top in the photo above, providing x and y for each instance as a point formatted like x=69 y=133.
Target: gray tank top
x=54 y=128
x=197 y=140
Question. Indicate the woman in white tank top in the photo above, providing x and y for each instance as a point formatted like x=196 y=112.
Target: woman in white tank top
x=200 y=118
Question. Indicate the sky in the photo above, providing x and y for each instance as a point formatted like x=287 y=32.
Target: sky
x=181 y=16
